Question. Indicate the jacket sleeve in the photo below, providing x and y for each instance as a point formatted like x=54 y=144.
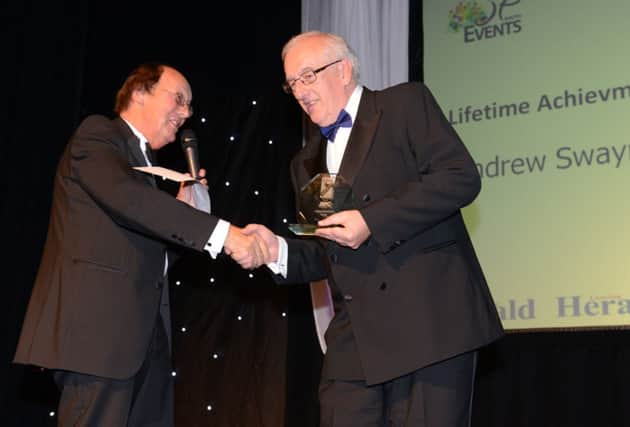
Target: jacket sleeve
x=99 y=164
x=445 y=177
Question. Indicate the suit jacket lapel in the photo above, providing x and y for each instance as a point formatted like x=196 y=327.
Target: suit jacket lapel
x=314 y=154
x=133 y=144
x=361 y=137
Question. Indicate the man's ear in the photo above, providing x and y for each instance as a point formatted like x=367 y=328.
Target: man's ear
x=137 y=96
x=346 y=71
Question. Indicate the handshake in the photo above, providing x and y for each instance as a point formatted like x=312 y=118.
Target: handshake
x=251 y=246
x=255 y=245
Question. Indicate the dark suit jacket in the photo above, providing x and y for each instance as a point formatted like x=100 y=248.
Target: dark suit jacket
x=414 y=293
x=97 y=293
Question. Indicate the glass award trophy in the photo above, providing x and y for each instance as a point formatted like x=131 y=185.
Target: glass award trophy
x=324 y=194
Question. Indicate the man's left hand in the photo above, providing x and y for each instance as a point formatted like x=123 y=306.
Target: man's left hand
x=185 y=188
x=348 y=228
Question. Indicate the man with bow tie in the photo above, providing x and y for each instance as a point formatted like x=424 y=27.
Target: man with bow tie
x=411 y=304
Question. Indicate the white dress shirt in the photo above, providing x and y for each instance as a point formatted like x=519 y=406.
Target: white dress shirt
x=334 y=155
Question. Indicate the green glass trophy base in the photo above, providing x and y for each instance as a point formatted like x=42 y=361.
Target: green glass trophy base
x=307 y=229
x=303 y=229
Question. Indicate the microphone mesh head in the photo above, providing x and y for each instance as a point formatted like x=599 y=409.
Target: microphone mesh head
x=188 y=138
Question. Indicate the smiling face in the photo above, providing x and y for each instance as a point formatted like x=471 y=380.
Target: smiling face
x=329 y=93
x=159 y=112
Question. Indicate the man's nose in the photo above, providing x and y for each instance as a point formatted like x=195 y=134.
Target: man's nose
x=188 y=111
x=298 y=89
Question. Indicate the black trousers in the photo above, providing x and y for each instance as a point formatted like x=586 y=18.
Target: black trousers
x=439 y=395
x=146 y=399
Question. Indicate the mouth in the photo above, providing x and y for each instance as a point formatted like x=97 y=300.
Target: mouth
x=175 y=123
x=308 y=105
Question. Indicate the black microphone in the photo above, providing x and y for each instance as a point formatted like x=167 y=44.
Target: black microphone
x=189 y=145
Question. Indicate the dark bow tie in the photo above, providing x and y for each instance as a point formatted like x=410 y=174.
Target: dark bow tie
x=343 y=120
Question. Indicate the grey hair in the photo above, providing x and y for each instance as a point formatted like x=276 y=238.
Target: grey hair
x=335 y=48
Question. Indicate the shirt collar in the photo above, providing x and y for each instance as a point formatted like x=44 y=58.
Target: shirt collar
x=136 y=132
x=353 y=103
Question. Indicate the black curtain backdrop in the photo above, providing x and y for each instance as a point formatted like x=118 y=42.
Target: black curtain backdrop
x=245 y=352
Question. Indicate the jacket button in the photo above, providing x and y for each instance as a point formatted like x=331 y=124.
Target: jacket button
x=347 y=298
x=366 y=197
x=383 y=286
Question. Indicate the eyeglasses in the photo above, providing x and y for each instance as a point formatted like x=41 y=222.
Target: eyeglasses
x=307 y=77
x=180 y=100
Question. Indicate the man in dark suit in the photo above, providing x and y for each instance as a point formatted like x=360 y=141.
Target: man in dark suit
x=98 y=315
x=411 y=302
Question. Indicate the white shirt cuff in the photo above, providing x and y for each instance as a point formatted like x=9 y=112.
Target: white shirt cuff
x=280 y=266
x=217 y=238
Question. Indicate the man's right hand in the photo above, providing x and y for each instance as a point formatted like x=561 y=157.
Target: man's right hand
x=267 y=237
x=249 y=251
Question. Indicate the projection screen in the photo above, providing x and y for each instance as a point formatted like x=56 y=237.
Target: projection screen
x=539 y=92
